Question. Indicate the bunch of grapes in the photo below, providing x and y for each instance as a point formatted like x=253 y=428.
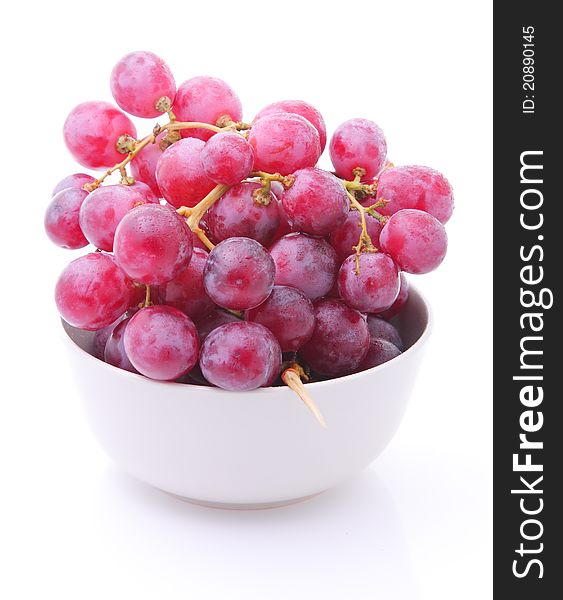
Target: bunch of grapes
x=224 y=256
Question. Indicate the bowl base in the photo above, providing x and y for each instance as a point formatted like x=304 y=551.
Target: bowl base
x=244 y=506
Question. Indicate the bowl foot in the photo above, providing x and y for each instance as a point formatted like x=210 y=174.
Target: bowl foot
x=245 y=506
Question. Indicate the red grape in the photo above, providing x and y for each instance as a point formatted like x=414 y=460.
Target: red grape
x=161 y=342
x=214 y=319
x=380 y=351
x=143 y=167
x=241 y=356
x=401 y=300
x=114 y=351
x=383 y=330
x=283 y=143
x=101 y=337
x=236 y=214
x=180 y=175
x=239 y=273
x=77 y=180
x=417 y=187
x=62 y=219
x=288 y=314
x=306 y=263
x=374 y=288
x=316 y=202
x=298 y=107
x=227 y=158
x=346 y=236
x=152 y=244
x=91 y=131
x=139 y=80
x=415 y=240
x=103 y=210
x=186 y=291
x=206 y=100
x=145 y=191
x=92 y=292
x=340 y=340
x=358 y=143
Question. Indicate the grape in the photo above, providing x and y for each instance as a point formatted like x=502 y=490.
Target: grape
x=152 y=244
x=161 y=342
x=180 y=175
x=62 y=222
x=145 y=191
x=277 y=188
x=91 y=131
x=376 y=286
x=101 y=337
x=92 y=292
x=401 y=300
x=383 y=330
x=103 y=210
x=306 y=263
x=358 y=143
x=380 y=351
x=114 y=352
x=415 y=240
x=205 y=99
x=283 y=143
x=340 y=339
x=346 y=236
x=227 y=158
x=77 y=180
x=241 y=356
x=186 y=291
x=288 y=314
x=139 y=80
x=214 y=319
x=239 y=274
x=316 y=202
x=237 y=214
x=417 y=187
x=298 y=107
x=143 y=168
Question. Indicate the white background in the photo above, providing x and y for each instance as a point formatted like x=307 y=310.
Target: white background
x=417 y=523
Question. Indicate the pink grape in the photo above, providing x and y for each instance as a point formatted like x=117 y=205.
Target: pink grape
x=316 y=202
x=206 y=100
x=415 y=240
x=161 y=342
x=346 y=236
x=91 y=131
x=416 y=187
x=380 y=351
x=239 y=273
x=139 y=80
x=376 y=286
x=145 y=191
x=288 y=314
x=77 y=180
x=306 y=263
x=214 y=319
x=143 y=168
x=114 y=351
x=237 y=214
x=283 y=143
x=180 y=175
x=102 y=211
x=227 y=158
x=358 y=143
x=152 y=244
x=277 y=188
x=62 y=222
x=380 y=329
x=340 y=339
x=92 y=292
x=401 y=300
x=298 y=107
x=186 y=291
x=241 y=356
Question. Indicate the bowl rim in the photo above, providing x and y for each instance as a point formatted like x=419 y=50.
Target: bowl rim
x=428 y=327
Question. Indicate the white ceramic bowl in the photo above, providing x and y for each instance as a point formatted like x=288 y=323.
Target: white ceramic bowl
x=247 y=449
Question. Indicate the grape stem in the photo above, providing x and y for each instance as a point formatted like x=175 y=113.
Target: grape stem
x=262 y=195
x=293 y=377
x=148 y=301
